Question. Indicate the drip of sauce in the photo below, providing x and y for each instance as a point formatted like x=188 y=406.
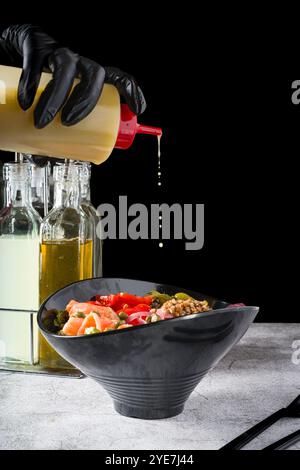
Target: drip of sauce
x=159 y=183
x=158 y=155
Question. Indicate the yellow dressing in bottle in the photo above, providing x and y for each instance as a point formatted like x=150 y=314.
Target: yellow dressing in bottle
x=92 y=139
x=66 y=250
x=62 y=262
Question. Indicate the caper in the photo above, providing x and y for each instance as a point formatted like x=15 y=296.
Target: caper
x=123 y=316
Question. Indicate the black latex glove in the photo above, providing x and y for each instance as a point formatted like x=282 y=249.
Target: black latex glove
x=40 y=52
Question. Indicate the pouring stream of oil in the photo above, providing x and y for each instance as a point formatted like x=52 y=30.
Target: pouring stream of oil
x=159 y=155
x=159 y=184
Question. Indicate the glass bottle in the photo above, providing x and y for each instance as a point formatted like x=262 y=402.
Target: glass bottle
x=1 y=186
x=66 y=246
x=40 y=188
x=92 y=214
x=19 y=268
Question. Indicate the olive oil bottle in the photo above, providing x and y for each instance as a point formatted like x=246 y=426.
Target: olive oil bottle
x=66 y=250
x=64 y=262
x=92 y=213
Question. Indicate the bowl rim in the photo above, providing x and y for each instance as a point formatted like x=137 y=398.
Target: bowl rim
x=133 y=328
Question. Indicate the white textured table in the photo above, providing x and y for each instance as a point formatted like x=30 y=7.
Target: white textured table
x=255 y=379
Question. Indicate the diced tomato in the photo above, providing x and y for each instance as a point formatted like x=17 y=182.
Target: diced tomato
x=133 y=300
x=138 y=308
x=107 y=300
x=119 y=301
x=137 y=321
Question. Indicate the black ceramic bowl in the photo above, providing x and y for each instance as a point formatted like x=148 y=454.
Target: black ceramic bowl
x=149 y=370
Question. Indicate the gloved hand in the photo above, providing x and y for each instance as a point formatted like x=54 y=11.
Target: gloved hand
x=40 y=52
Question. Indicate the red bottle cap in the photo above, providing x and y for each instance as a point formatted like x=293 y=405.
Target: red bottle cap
x=129 y=127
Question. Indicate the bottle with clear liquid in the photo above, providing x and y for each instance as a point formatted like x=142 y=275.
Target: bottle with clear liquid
x=1 y=186
x=19 y=268
x=92 y=214
x=66 y=246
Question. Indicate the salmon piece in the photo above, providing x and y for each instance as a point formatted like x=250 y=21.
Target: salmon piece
x=89 y=321
x=105 y=323
x=106 y=312
x=75 y=307
x=72 y=326
x=70 y=305
x=96 y=316
x=100 y=318
x=86 y=308
x=83 y=307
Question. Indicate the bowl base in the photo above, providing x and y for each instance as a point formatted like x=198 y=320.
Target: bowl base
x=147 y=413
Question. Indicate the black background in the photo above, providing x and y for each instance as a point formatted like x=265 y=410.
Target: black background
x=230 y=142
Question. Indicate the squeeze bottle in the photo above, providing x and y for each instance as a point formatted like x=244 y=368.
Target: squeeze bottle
x=110 y=125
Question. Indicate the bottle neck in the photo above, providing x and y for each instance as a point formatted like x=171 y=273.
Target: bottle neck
x=85 y=191
x=17 y=193
x=67 y=194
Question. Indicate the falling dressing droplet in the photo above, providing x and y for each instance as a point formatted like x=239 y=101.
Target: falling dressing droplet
x=159 y=183
x=158 y=160
x=158 y=149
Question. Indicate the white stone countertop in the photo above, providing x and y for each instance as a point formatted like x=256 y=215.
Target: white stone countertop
x=258 y=376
